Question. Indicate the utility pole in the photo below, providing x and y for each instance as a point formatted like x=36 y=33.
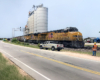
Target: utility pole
x=13 y=31
x=24 y=34
x=20 y=28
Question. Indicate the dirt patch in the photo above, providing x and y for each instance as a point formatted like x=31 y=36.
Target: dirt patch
x=81 y=50
x=84 y=56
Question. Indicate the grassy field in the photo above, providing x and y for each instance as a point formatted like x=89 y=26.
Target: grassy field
x=22 y=44
x=9 y=71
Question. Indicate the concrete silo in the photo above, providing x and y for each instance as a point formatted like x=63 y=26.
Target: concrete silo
x=31 y=22
x=35 y=21
x=41 y=19
x=38 y=20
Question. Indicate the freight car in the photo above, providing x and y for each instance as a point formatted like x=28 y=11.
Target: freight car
x=20 y=38
x=70 y=37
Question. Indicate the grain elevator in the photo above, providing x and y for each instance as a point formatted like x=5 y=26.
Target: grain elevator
x=37 y=20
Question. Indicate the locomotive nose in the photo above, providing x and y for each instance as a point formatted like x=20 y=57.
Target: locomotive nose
x=77 y=36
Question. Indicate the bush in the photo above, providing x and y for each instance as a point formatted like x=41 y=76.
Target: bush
x=26 y=43
x=14 y=40
x=38 y=44
x=6 y=41
x=18 y=42
x=22 y=43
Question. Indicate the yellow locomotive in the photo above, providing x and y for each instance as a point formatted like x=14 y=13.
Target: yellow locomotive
x=70 y=37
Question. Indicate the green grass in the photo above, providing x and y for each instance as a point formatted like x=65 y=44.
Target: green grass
x=9 y=71
x=22 y=44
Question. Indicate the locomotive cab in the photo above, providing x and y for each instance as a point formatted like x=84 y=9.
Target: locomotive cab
x=75 y=37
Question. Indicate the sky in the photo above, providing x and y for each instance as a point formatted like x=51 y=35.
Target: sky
x=82 y=14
